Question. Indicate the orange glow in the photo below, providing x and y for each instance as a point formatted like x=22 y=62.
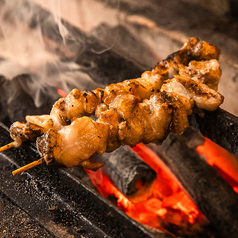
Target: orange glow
x=62 y=93
x=167 y=207
x=224 y=162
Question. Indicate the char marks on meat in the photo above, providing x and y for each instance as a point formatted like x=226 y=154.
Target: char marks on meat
x=144 y=110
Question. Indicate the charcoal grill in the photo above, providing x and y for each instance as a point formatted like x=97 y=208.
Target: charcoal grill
x=62 y=203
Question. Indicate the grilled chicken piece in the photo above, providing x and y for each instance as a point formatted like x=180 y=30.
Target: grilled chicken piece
x=21 y=132
x=199 y=81
x=208 y=72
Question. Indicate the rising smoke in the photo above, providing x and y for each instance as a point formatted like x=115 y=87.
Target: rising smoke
x=36 y=42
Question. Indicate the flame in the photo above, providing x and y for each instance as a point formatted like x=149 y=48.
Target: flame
x=168 y=207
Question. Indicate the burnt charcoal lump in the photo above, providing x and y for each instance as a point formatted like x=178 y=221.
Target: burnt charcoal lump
x=123 y=167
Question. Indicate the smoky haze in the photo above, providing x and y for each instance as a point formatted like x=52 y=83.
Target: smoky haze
x=36 y=42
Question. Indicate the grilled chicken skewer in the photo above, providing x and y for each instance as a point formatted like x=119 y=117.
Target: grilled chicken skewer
x=129 y=122
x=202 y=59
x=138 y=110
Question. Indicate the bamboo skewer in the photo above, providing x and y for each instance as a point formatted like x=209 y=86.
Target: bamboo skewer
x=28 y=166
x=24 y=168
x=8 y=146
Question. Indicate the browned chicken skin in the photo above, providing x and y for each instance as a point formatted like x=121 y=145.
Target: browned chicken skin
x=138 y=110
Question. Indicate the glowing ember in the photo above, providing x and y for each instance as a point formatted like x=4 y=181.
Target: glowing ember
x=167 y=207
x=224 y=162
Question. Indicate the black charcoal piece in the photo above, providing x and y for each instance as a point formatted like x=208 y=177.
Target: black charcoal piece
x=123 y=167
x=213 y=196
x=220 y=126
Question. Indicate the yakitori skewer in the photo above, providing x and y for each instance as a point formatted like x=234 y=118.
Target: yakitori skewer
x=197 y=58
x=138 y=110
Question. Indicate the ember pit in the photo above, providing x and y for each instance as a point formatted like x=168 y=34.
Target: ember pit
x=164 y=205
x=110 y=41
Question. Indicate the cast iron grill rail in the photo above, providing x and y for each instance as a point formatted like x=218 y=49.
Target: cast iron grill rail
x=220 y=126
x=14 y=222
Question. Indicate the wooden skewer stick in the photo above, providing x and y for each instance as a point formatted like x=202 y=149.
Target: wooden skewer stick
x=6 y=147
x=28 y=166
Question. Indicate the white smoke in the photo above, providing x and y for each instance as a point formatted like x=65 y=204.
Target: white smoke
x=25 y=48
